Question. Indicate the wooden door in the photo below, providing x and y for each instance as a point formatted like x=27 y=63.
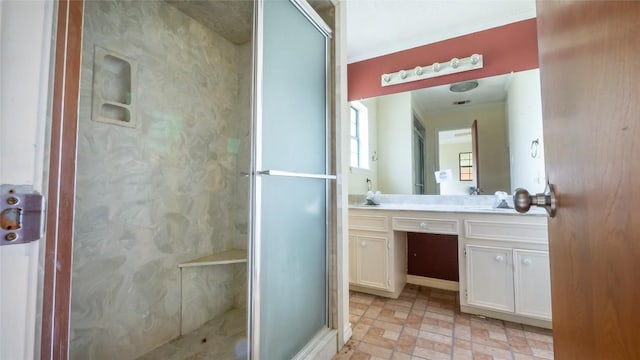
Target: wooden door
x=589 y=70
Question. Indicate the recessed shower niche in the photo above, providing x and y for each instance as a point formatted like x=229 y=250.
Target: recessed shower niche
x=113 y=82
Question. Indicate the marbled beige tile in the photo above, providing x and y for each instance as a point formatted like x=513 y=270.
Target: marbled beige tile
x=164 y=192
x=372 y=311
x=498 y=354
x=438 y=331
x=388 y=326
x=375 y=350
x=427 y=335
x=376 y=336
x=400 y=356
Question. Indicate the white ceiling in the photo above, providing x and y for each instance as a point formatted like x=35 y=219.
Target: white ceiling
x=439 y=98
x=379 y=27
x=457 y=136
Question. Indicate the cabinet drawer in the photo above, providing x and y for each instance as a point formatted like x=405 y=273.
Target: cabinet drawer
x=435 y=226
x=493 y=230
x=369 y=222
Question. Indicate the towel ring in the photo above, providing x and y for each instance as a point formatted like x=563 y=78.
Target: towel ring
x=534 y=148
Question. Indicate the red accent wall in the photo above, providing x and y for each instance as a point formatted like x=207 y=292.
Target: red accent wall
x=512 y=47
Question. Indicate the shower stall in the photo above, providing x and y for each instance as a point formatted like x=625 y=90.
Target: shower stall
x=204 y=187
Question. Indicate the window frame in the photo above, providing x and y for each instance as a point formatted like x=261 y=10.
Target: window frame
x=361 y=136
x=467 y=166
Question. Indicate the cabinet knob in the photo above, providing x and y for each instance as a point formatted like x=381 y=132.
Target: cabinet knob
x=499 y=258
x=423 y=225
x=364 y=243
x=527 y=261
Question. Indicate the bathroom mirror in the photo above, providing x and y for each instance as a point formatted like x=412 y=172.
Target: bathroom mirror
x=424 y=141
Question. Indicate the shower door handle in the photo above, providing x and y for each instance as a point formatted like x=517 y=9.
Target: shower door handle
x=296 y=174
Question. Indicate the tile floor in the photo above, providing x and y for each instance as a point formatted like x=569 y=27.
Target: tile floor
x=425 y=323
x=221 y=338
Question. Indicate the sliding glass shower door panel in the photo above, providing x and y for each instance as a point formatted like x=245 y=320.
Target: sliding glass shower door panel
x=294 y=91
x=293 y=264
x=291 y=184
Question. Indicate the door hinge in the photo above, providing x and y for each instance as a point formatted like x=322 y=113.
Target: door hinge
x=388 y=245
x=465 y=251
x=466 y=294
x=21 y=213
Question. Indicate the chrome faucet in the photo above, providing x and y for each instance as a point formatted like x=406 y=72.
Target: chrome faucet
x=473 y=190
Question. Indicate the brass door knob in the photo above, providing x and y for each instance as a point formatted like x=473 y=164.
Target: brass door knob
x=523 y=201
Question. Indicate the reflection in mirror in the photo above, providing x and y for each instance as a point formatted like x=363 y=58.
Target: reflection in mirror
x=455 y=156
x=416 y=138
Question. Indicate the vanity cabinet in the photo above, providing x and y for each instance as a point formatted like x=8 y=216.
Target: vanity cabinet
x=502 y=258
x=489 y=277
x=512 y=280
x=532 y=283
x=377 y=260
x=370 y=261
x=507 y=269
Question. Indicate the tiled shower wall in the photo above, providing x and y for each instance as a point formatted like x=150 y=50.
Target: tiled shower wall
x=162 y=193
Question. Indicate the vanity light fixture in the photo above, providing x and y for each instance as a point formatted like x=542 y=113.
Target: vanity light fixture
x=452 y=66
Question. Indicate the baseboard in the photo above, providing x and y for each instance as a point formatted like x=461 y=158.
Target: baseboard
x=323 y=346
x=433 y=283
x=383 y=293
x=508 y=317
x=347 y=333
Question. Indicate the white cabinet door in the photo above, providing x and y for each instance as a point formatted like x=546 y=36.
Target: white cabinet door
x=532 y=283
x=372 y=261
x=353 y=268
x=490 y=277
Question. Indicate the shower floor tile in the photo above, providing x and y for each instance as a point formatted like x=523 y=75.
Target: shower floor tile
x=223 y=337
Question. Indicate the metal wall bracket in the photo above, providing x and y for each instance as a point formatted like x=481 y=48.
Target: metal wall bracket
x=21 y=213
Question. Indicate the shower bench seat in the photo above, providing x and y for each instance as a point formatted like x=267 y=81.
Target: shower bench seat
x=232 y=256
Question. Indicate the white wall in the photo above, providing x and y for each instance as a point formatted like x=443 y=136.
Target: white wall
x=449 y=159
x=524 y=114
x=358 y=177
x=492 y=140
x=395 y=164
x=342 y=164
x=25 y=42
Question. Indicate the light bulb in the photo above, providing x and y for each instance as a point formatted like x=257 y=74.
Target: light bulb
x=418 y=70
x=436 y=67
x=386 y=77
x=475 y=58
x=455 y=62
x=403 y=74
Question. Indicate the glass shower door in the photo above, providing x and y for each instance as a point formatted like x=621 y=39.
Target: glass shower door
x=291 y=186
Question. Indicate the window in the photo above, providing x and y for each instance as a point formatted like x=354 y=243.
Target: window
x=466 y=166
x=359 y=135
